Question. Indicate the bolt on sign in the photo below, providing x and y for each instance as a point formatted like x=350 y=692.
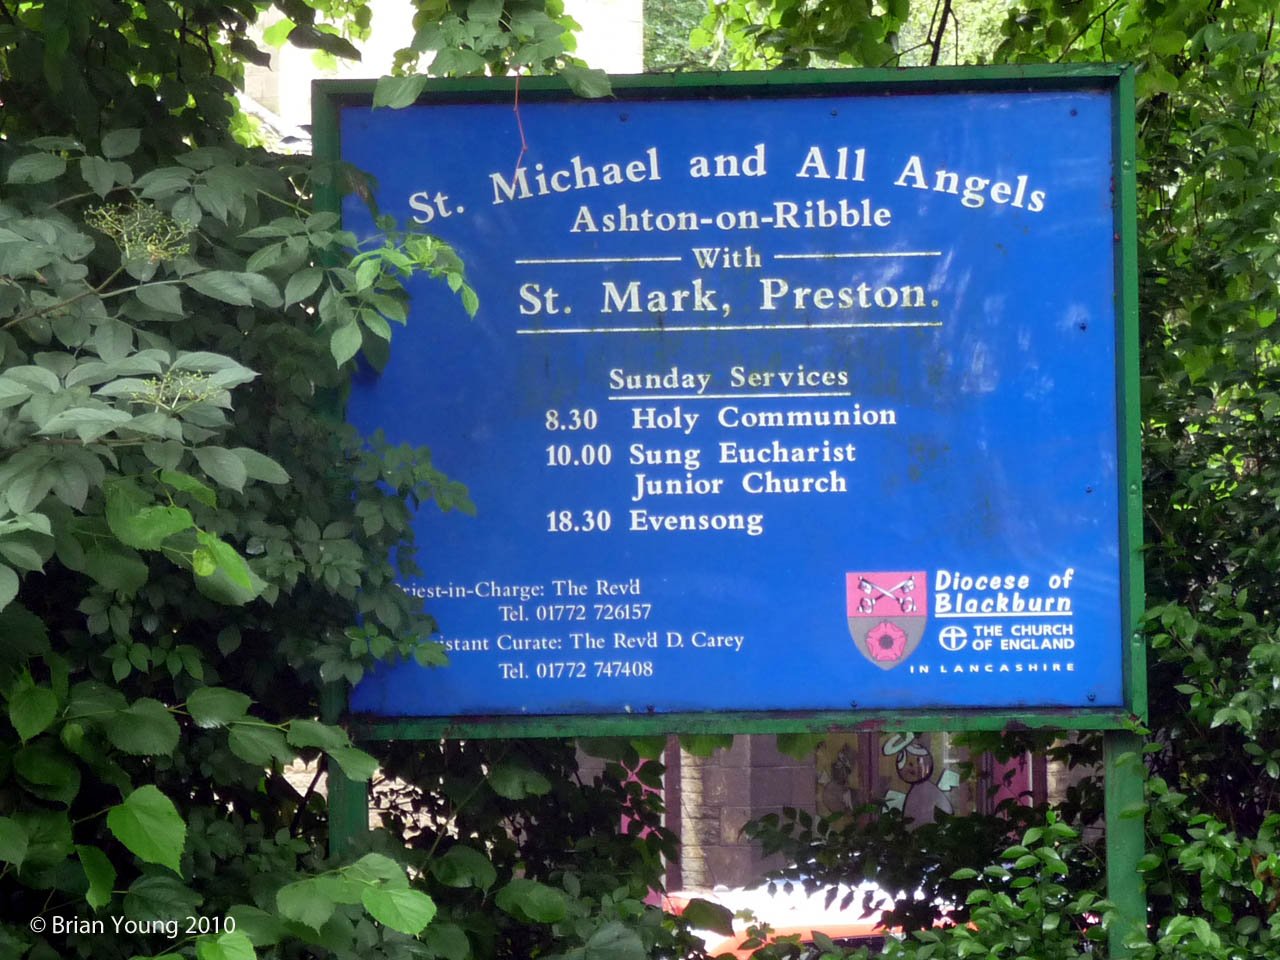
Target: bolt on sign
x=799 y=398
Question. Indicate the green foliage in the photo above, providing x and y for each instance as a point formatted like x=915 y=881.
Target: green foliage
x=150 y=826
x=1021 y=905
x=193 y=545
x=667 y=28
x=542 y=870
x=917 y=865
x=1208 y=219
x=488 y=37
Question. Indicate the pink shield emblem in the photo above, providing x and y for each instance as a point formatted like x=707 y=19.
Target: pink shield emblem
x=887 y=614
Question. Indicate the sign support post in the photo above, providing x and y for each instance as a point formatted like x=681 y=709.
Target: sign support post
x=348 y=799
x=1126 y=837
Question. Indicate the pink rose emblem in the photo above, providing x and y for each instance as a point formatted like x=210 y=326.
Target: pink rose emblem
x=886 y=642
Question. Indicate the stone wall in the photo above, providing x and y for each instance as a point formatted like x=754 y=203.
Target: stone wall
x=717 y=795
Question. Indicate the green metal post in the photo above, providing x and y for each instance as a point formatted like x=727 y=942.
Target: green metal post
x=348 y=799
x=1126 y=838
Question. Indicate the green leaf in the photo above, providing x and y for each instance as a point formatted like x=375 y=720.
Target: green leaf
x=258 y=744
x=162 y=182
x=8 y=585
x=159 y=896
x=262 y=289
x=1168 y=42
x=221 y=285
x=13 y=841
x=21 y=553
x=586 y=81
x=209 y=362
x=264 y=258
x=616 y=941
x=463 y=866
x=259 y=466
x=355 y=763
x=447 y=940
x=705 y=744
x=367 y=273
x=263 y=928
x=531 y=901
x=217 y=706
x=513 y=781
x=189 y=484
x=93 y=701
x=225 y=946
x=470 y=302
x=214 y=576
x=98 y=174
x=36 y=168
x=345 y=343
x=377 y=867
x=116 y=568
x=428 y=653
x=89 y=423
x=13 y=392
x=709 y=916
x=302 y=284
x=48 y=836
x=187 y=211
x=223 y=466
x=165 y=297
x=57 y=143
x=276 y=34
x=309 y=733
x=203 y=562
x=149 y=825
x=303 y=903
x=228 y=560
x=398 y=92
x=31 y=710
x=400 y=909
x=50 y=772
x=121 y=143
x=607 y=748
x=229 y=640
x=145 y=727
x=137 y=521
x=151 y=526
x=100 y=873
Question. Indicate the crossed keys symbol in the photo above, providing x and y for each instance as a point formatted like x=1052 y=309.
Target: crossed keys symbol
x=906 y=602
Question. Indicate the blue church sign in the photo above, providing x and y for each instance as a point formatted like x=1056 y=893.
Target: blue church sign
x=788 y=398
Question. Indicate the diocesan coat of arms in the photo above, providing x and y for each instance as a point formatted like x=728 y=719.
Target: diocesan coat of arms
x=887 y=614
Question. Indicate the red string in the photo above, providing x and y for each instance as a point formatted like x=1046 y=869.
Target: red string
x=524 y=144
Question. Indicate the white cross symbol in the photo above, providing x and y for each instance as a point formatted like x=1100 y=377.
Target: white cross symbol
x=953 y=638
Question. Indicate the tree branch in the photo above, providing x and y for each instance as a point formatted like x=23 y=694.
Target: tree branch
x=1085 y=29
x=935 y=42
x=1262 y=70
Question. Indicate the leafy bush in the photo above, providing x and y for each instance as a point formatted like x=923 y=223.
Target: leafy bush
x=1208 y=135
x=194 y=550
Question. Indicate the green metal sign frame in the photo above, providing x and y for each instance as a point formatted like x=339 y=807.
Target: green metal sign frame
x=1125 y=838
x=330 y=96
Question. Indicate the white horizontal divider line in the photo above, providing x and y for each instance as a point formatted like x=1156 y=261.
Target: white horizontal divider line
x=729 y=396
x=600 y=260
x=852 y=256
x=730 y=327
